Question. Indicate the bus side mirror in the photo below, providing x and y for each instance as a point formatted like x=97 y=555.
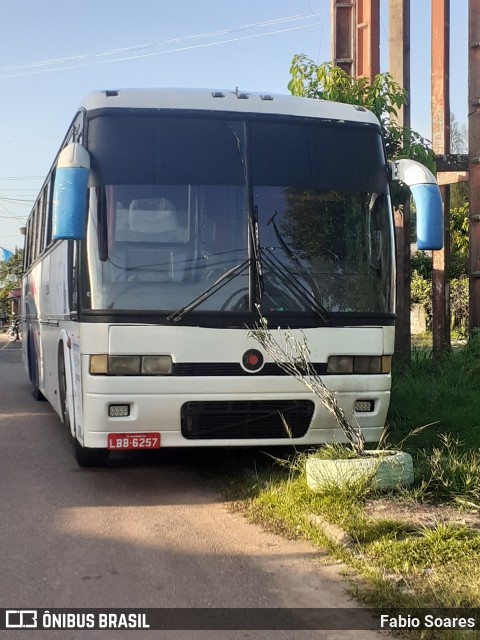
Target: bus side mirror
x=69 y=214
x=428 y=201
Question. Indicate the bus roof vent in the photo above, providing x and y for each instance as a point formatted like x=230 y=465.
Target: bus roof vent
x=241 y=95
x=359 y=107
x=217 y=94
x=266 y=97
x=111 y=93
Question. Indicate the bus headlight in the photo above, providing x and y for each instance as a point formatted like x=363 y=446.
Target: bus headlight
x=359 y=364
x=105 y=365
x=124 y=365
x=340 y=364
x=367 y=364
x=156 y=365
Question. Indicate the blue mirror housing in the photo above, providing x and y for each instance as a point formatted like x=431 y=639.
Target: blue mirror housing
x=428 y=204
x=428 y=201
x=69 y=214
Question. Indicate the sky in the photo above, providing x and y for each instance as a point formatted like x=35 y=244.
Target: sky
x=53 y=53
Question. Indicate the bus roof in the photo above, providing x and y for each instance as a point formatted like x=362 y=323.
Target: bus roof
x=227 y=100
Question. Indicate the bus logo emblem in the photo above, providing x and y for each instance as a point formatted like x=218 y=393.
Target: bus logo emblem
x=252 y=361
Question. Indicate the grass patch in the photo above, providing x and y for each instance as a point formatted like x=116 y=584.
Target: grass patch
x=439 y=389
x=444 y=543
x=451 y=473
x=405 y=564
x=335 y=451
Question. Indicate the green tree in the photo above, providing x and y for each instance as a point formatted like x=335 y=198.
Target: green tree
x=422 y=272
x=459 y=144
x=10 y=275
x=12 y=268
x=383 y=96
x=458 y=136
x=459 y=240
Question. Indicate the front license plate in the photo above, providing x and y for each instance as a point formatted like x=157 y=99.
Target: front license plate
x=127 y=441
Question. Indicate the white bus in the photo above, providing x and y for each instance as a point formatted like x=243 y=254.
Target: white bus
x=168 y=218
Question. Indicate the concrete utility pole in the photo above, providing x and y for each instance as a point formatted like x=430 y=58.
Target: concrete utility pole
x=399 y=64
x=474 y=159
x=441 y=146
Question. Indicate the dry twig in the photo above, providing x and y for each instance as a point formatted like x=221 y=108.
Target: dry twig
x=293 y=356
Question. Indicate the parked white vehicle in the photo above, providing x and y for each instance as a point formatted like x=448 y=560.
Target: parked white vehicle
x=168 y=218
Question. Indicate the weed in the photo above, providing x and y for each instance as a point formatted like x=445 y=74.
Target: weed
x=452 y=473
x=405 y=565
x=335 y=451
x=439 y=390
x=429 y=548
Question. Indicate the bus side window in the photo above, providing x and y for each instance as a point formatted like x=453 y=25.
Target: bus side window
x=42 y=209
x=28 y=241
x=48 y=211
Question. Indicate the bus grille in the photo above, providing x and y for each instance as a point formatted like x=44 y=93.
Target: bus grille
x=246 y=419
x=234 y=369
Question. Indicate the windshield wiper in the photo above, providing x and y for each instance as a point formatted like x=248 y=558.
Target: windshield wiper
x=286 y=249
x=256 y=256
x=293 y=284
x=218 y=284
x=298 y=287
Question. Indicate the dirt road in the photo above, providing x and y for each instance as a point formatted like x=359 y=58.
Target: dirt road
x=144 y=532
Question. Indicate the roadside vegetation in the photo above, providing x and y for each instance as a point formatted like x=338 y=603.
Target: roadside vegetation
x=415 y=547
x=10 y=275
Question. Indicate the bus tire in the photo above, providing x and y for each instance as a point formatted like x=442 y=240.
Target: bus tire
x=37 y=394
x=62 y=388
x=33 y=371
x=87 y=457
x=84 y=456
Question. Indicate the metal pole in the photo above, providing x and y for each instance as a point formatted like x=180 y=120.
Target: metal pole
x=441 y=146
x=474 y=160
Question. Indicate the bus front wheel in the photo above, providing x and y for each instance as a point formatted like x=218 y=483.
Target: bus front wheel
x=62 y=386
x=33 y=370
x=87 y=457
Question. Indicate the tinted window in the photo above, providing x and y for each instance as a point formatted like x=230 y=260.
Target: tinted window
x=149 y=150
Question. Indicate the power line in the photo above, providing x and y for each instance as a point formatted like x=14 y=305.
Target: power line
x=23 y=178
x=20 y=201
x=43 y=66
x=12 y=215
x=11 y=140
x=168 y=42
x=16 y=199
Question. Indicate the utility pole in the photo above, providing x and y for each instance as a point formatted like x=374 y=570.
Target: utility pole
x=343 y=41
x=367 y=39
x=399 y=64
x=356 y=37
x=474 y=160
x=441 y=146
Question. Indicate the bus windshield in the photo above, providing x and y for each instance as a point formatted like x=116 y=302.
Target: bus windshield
x=177 y=202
